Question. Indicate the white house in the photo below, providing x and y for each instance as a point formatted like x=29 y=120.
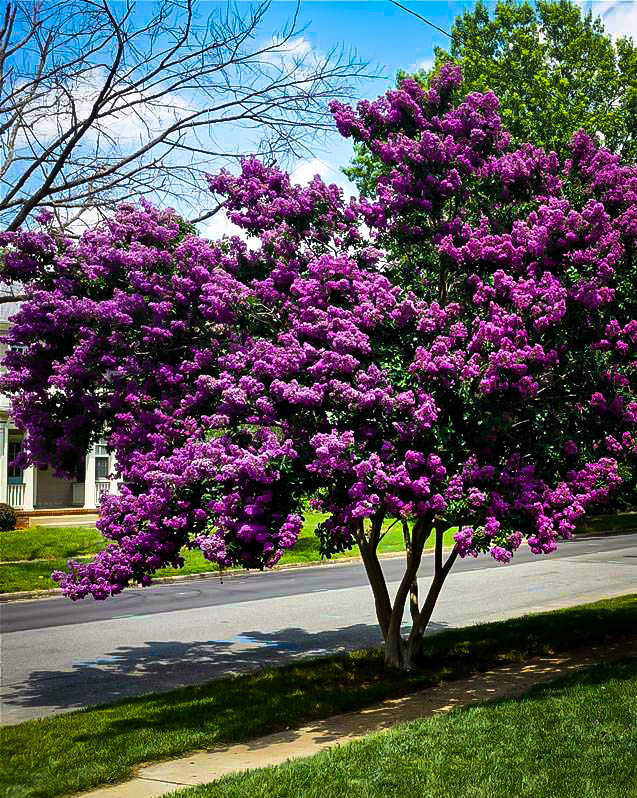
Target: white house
x=35 y=493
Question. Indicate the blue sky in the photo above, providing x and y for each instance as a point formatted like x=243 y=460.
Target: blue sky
x=382 y=34
x=387 y=37
x=390 y=39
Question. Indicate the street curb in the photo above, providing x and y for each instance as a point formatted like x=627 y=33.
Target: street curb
x=27 y=595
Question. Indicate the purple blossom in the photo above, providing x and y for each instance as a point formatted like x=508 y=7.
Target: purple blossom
x=441 y=365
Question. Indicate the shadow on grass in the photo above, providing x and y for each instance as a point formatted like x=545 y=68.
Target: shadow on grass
x=530 y=635
x=159 y=666
x=574 y=737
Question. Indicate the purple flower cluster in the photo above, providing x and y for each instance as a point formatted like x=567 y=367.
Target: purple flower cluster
x=454 y=348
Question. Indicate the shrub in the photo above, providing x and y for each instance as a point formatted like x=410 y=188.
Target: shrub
x=8 y=518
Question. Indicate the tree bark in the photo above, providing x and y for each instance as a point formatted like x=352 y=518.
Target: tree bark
x=400 y=652
x=395 y=651
x=441 y=571
x=376 y=579
x=413 y=592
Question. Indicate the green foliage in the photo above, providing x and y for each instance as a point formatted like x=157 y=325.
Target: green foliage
x=554 y=70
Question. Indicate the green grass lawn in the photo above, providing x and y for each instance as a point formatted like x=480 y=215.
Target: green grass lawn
x=573 y=738
x=76 y=751
x=47 y=549
x=47 y=542
x=616 y=522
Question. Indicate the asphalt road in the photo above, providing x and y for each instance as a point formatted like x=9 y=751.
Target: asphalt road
x=58 y=656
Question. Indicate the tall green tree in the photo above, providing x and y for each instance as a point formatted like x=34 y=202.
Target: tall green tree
x=554 y=69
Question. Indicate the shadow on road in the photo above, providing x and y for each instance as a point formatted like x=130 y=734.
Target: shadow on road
x=160 y=666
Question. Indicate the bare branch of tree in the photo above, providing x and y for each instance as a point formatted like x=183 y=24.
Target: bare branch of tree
x=100 y=102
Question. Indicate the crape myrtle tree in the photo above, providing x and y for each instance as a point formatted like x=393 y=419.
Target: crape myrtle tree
x=452 y=352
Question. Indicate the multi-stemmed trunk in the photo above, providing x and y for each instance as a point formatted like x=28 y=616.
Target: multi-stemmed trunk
x=400 y=651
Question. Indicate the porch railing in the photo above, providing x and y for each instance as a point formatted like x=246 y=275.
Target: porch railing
x=15 y=494
x=100 y=489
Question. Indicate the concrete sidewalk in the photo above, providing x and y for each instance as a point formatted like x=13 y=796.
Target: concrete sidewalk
x=205 y=766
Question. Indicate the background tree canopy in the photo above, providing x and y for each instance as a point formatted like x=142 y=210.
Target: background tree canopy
x=554 y=70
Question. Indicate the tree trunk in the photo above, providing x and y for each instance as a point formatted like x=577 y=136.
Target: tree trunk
x=404 y=653
x=376 y=577
x=395 y=649
x=417 y=634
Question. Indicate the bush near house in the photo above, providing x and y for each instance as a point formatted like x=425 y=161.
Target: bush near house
x=8 y=517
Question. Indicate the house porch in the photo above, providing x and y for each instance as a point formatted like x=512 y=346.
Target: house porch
x=39 y=497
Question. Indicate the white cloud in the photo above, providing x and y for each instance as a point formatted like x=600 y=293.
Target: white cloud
x=52 y=114
x=425 y=64
x=619 y=17
x=305 y=170
x=76 y=221
x=218 y=226
x=286 y=54
x=328 y=171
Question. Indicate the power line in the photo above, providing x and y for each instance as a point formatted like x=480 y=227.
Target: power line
x=420 y=17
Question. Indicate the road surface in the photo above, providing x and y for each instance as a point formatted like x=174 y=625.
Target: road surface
x=58 y=656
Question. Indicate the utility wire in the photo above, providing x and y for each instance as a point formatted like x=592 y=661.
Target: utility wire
x=420 y=17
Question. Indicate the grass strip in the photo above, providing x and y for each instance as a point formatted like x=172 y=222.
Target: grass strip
x=76 y=751
x=576 y=736
x=612 y=522
x=47 y=549
x=15 y=577
x=49 y=543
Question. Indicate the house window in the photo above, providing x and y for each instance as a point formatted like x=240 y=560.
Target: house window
x=15 y=474
x=101 y=468
x=101 y=461
x=101 y=450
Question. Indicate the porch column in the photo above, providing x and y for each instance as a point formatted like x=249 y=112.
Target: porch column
x=4 y=461
x=112 y=487
x=89 y=480
x=30 y=487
